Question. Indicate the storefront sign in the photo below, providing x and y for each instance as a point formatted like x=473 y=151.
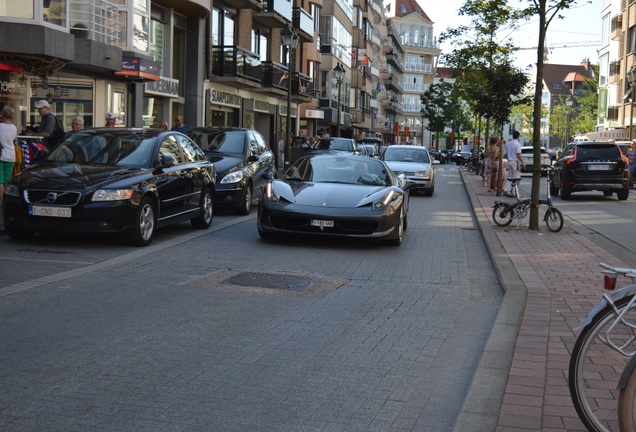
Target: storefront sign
x=261 y=106
x=315 y=114
x=282 y=110
x=221 y=97
x=138 y=67
x=163 y=87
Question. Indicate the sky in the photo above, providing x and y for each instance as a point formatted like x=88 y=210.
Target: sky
x=581 y=23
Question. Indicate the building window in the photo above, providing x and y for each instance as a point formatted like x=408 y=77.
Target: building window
x=140 y=32
x=605 y=30
x=17 y=9
x=222 y=28
x=158 y=43
x=54 y=12
x=260 y=44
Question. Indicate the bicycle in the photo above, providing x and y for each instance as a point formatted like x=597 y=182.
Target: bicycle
x=504 y=211
x=605 y=345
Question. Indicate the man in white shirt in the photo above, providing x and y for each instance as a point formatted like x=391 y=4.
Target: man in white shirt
x=515 y=162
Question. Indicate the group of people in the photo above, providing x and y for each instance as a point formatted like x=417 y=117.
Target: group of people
x=514 y=163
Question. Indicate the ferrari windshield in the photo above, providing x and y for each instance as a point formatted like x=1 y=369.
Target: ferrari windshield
x=328 y=169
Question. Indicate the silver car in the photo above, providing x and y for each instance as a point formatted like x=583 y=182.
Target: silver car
x=415 y=163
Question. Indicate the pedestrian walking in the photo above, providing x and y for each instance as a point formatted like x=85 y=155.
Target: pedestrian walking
x=180 y=125
x=515 y=162
x=8 y=132
x=111 y=119
x=491 y=163
x=631 y=156
x=49 y=128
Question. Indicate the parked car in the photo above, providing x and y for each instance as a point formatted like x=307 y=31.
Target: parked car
x=301 y=148
x=242 y=158
x=368 y=150
x=466 y=152
x=527 y=152
x=415 y=163
x=112 y=180
x=333 y=194
x=589 y=166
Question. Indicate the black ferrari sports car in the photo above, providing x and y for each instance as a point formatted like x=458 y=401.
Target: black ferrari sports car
x=336 y=195
x=112 y=180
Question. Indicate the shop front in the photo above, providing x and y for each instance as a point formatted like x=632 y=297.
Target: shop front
x=223 y=106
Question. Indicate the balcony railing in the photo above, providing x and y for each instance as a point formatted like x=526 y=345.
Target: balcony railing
x=396 y=60
x=304 y=21
x=418 y=66
x=281 y=7
x=415 y=87
x=303 y=85
x=96 y=20
x=420 y=42
x=274 y=75
x=233 y=61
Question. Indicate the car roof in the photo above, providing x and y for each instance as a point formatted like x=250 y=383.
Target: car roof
x=218 y=129
x=402 y=146
x=121 y=131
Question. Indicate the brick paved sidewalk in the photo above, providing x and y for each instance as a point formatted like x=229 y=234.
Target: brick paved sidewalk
x=562 y=280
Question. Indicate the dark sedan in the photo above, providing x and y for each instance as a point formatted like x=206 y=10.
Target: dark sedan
x=242 y=159
x=336 y=195
x=113 y=180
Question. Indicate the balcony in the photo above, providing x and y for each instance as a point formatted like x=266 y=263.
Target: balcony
x=96 y=20
x=274 y=79
x=302 y=88
x=612 y=113
x=414 y=88
x=377 y=9
x=236 y=66
x=418 y=66
x=303 y=22
x=358 y=116
x=396 y=61
x=616 y=27
x=421 y=42
x=275 y=14
x=375 y=40
x=614 y=72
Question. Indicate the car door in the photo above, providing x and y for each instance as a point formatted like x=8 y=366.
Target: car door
x=559 y=164
x=266 y=160
x=193 y=170
x=174 y=184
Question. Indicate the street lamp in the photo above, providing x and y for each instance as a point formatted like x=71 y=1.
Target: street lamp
x=423 y=115
x=631 y=79
x=290 y=40
x=569 y=103
x=339 y=73
x=394 y=103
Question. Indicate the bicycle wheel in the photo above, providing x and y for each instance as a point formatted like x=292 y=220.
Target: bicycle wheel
x=554 y=220
x=595 y=367
x=498 y=218
x=627 y=405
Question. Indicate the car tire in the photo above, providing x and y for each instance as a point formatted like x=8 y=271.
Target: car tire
x=397 y=241
x=246 y=203
x=144 y=224
x=566 y=194
x=206 y=211
x=622 y=194
x=18 y=233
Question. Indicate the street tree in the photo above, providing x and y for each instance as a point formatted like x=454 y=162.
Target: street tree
x=545 y=11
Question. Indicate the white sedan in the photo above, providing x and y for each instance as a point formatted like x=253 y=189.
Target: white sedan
x=415 y=163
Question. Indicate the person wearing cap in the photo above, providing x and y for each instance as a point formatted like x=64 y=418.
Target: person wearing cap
x=47 y=123
x=180 y=126
x=111 y=118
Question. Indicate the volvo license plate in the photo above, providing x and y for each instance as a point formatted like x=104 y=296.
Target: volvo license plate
x=64 y=212
x=599 y=167
x=322 y=223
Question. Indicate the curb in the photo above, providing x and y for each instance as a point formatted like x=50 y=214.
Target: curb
x=481 y=407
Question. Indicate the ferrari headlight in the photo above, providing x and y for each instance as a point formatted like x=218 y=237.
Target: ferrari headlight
x=11 y=189
x=270 y=196
x=233 y=177
x=112 y=194
x=384 y=202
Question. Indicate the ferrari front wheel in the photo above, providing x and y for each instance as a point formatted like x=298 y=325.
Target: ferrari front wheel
x=399 y=230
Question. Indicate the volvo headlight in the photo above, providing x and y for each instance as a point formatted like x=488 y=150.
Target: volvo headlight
x=112 y=194
x=233 y=177
x=12 y=189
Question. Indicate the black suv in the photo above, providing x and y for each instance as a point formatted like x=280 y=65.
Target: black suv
x=588 y=166
x=242 y=159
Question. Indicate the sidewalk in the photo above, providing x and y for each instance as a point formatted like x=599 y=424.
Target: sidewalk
x=550 y=280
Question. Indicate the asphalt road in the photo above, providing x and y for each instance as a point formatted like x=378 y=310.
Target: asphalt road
x=191 y=334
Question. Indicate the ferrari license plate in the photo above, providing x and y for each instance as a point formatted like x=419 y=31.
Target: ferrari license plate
x=599 y=167
x=64 y=212
x=322 y=223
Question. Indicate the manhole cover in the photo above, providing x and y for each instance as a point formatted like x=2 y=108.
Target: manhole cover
x=272 y=281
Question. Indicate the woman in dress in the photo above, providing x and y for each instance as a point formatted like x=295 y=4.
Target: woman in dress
x=631 y=156
x=490 y=167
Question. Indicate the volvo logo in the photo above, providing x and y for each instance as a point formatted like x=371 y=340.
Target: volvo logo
x=51 y=197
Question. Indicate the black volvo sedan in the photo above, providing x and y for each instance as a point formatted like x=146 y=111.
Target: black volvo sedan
x=113 y=180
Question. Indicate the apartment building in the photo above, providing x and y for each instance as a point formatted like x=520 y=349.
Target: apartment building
x=412 y=64
x=89 y=58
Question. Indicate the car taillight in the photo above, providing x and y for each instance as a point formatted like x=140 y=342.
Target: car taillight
x=609 y=282
x=572 y=158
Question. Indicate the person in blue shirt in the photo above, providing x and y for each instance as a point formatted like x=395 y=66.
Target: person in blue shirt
x=180 y=126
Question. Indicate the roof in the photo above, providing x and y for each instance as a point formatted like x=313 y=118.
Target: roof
x=557 y=76
x=410 y=6
x=444 y=72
